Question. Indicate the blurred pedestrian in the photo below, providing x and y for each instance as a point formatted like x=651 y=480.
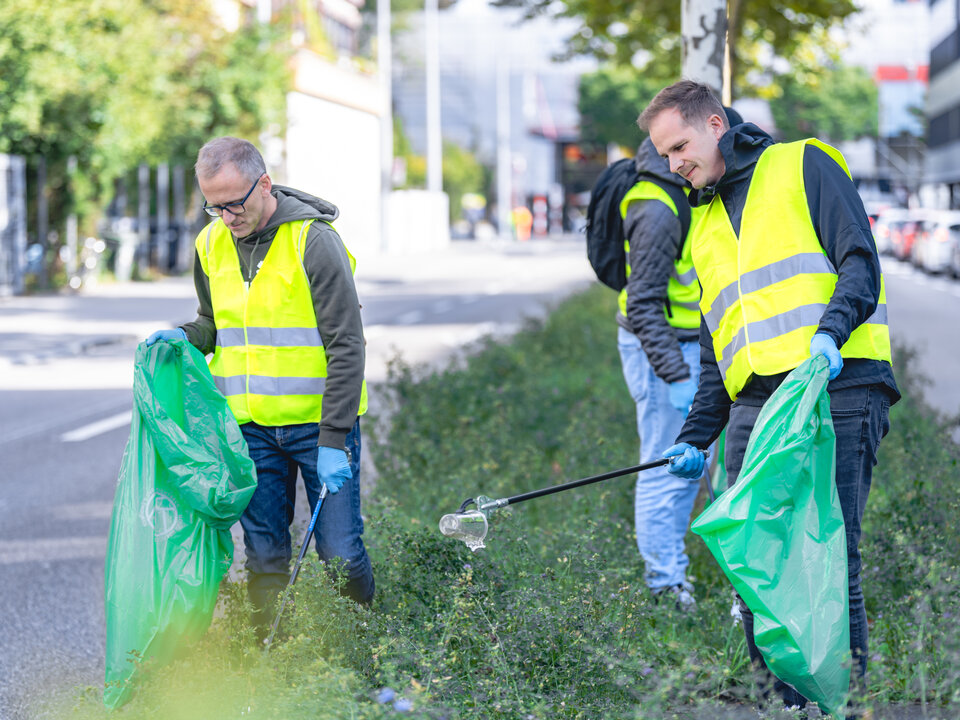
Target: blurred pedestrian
x=789 y=270
x=279 y=311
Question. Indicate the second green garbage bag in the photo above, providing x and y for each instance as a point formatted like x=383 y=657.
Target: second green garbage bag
x=778 y=535
x=185 y=478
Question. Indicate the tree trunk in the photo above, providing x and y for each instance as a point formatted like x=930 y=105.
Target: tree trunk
x=703 y=26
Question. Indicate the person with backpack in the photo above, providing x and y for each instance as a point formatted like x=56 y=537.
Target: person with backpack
x=657 y=333
x=639 y=222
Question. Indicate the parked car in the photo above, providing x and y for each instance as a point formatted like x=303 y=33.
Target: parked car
x=903 y=233
x=881 y=226
x=940 y=237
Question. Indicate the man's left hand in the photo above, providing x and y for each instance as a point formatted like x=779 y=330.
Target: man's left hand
x=333 y=468
x=681 y=394
x=823 y=344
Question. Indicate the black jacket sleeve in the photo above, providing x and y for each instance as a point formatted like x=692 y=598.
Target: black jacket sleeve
x=711 y=405
x=844 y=231
x=654 y=233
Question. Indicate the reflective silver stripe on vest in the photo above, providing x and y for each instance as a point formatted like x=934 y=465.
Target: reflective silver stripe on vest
x=270 y=337
x=686 y=305
x=688 y=278
x=778 y=325
x=801 y=264
x=266 y=385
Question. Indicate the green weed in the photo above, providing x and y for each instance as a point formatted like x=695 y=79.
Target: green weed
x=552 y=619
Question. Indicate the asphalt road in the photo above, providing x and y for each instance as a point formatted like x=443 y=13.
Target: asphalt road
x=66 y=369
x=65 y=378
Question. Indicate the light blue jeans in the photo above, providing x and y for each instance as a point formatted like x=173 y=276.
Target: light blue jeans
x=663 y=502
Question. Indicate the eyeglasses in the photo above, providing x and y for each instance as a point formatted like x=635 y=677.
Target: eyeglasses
x=232 y=208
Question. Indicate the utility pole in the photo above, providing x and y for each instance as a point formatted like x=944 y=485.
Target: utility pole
x=72 y=238
x=163 y=218
x=434 y=145
x=143 y=218
x=504 y=154
x=385 y=68
x=703 y=26
x=43 y=219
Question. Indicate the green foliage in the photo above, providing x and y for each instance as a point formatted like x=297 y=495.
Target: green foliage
x=462 y=172
x=647 y=35
x=837 y=102
x=121 y=82
x=611 y=99
x=552 y=620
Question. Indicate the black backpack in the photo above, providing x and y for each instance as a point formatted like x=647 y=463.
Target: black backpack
x=605 y=234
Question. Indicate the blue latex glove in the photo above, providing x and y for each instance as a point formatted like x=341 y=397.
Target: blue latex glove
x=175 y=334
x=681 y=394
x=823 y=344
x=333 y=468
x=686 y=460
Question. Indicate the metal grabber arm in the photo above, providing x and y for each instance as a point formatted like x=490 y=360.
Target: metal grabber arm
x=471 y=526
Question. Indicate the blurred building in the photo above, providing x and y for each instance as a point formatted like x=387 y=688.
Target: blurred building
x=481 y=46
x=889 y=38
x=943 y=104
x=331 y=147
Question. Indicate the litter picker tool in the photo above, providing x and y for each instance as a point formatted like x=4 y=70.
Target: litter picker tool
x=471 y=526
x=296 y=568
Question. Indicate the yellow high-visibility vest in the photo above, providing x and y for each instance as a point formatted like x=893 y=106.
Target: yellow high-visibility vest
x=683 y=292
x=765 y=292
x=269 y=359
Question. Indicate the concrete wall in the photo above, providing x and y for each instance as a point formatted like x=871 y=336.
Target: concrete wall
x=333 y=151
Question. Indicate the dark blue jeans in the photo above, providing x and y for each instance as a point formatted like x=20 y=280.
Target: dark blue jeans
x=279 y=452
x=860 y=419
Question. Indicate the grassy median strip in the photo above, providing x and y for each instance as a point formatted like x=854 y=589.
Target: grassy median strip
x=552 y=619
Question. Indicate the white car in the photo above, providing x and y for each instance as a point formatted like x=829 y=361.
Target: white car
x=941 y=235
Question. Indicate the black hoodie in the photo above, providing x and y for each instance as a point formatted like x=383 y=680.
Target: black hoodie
x=654 y=233
x=844 y=232
x=334 y=302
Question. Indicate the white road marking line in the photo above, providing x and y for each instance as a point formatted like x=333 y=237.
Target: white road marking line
x=98 y=428
x=92 y=510
x=52 y=549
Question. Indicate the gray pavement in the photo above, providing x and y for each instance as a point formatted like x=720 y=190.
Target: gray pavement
x=66 y=372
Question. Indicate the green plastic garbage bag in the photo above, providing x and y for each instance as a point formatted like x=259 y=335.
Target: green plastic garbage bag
x=185 y=478
x=778 y=536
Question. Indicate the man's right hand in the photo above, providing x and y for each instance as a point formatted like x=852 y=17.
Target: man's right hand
x=175 y=334
x=686 y=461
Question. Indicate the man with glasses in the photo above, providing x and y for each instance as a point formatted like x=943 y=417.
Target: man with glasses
x=279 y=311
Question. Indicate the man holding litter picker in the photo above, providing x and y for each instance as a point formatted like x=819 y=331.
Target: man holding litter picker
x=279 y=311
x=789 y=270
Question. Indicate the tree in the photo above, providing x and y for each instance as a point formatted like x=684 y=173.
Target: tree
x=836 y=103
x=647 y=35
x=610 y=100
x=123 y=82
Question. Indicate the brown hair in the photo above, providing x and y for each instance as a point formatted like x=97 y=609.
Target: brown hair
x=222 y=150
x=694 y=101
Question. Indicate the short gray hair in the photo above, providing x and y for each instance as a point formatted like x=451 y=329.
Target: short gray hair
x=222 y=150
